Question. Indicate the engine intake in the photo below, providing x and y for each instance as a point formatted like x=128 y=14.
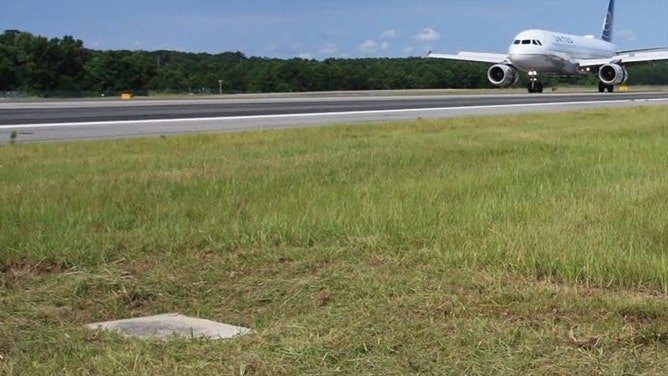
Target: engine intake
x=502 y=75
x=612 y=74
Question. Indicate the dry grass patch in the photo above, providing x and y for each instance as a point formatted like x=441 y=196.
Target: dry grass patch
x=319 y=311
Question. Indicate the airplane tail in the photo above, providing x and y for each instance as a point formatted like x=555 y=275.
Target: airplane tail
x=608 y=22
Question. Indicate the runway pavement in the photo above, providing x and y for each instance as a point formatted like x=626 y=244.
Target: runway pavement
x=37 y=121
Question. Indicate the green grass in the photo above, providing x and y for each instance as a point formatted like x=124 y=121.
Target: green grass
x=512 y=245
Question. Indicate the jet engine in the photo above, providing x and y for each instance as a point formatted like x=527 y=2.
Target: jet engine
x=612 y=74
x=502 y=75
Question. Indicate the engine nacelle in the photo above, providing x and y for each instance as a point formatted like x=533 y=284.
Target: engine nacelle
x=502 y=75
x=612 y=74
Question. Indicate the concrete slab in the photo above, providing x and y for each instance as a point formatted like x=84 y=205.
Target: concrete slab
x=170 y=325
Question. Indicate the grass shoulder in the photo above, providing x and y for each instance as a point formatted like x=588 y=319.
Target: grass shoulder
x=514 y=244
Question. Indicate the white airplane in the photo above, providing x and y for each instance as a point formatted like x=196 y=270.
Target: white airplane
x=541 y=52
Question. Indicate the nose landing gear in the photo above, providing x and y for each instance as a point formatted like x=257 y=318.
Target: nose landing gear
x=534 y=86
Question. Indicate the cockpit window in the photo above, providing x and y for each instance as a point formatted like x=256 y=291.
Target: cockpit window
x=535 y=42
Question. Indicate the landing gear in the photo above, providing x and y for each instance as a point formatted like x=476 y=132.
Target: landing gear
x=535 y=86
x=603 y=87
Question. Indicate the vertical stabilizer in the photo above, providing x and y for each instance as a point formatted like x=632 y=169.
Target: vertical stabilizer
x=608 y=22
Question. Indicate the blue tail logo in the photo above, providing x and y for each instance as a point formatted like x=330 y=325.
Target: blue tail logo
x=608 y=22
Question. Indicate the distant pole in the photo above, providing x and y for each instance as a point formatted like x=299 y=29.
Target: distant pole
x=220 y=87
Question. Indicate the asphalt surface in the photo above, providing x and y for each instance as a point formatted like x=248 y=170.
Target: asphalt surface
x=93 y=119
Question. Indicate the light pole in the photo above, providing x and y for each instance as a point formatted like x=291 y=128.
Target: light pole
x=220 y=87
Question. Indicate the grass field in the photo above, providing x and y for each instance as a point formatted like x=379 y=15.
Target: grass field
x=498 y=245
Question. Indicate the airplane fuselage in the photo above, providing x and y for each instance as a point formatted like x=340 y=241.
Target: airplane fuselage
x=552 y=53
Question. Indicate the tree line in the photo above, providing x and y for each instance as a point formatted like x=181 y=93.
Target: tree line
x=36 y=65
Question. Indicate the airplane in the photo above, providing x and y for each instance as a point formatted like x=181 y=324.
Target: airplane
x=549 y=53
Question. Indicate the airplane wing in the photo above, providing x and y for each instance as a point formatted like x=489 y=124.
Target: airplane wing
x=628 y=58
x=480 y=57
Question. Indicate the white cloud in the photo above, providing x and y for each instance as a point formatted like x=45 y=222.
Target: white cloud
x=306 y=56
x=372 y=46
x=328 y=49
x=389 y=34
x=368 y=46
x=627 y=35
x=428 y=35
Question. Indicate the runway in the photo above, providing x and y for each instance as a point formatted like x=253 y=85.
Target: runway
x=38 y=121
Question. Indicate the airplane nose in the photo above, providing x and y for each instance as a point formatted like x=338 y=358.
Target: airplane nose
x=519 y=58
x=524 y=61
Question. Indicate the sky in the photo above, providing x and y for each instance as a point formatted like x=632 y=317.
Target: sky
x=321 y=29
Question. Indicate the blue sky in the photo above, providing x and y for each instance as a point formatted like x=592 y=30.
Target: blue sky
x=322 y=29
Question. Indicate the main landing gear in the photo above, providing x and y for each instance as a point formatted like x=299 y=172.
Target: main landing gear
x=603 y=87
